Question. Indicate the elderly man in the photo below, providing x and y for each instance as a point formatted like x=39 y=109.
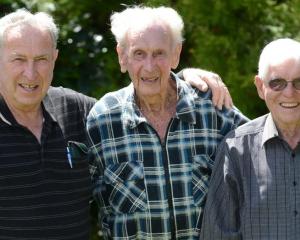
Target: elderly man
x=43 y=195
x=45 y=183
x=153 y=143
x=254 y=193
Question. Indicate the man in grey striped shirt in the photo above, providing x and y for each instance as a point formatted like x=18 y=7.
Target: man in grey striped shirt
x=255 y=188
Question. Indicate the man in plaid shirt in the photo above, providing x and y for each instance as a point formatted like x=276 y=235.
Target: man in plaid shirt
x=153 y=143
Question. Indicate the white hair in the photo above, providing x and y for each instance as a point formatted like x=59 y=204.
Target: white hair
x=23 y=17
x=122 y=22
x=276 y=52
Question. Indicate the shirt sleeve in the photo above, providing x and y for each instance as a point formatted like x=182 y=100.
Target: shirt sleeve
x=221 y=219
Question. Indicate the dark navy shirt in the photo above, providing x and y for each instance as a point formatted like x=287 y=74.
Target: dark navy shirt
x=41 y=195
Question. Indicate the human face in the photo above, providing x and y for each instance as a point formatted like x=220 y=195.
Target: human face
x=26 y=65
x=148 y=57
x=285 y=104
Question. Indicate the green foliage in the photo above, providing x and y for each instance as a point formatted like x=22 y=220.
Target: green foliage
x=227 y=36
x=224 y=36
x=221 y=36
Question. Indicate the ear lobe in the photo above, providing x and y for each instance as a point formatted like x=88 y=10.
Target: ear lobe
x=259 y=87
x=55 y=55
x=176 y=56
x=122 y=59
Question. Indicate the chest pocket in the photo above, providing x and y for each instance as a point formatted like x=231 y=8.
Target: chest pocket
x=202 y=169
x=125 y=186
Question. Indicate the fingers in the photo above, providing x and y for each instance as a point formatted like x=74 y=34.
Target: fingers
x=203 y=80
x=228 y=100
x=194 y=77
x=216 y=85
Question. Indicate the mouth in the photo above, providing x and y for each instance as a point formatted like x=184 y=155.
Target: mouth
x=289 y=105
x=149 y=79
x=28 y=87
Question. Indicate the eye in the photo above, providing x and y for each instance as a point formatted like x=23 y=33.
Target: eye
x=277 y=84
x=138 y=54
x=18 y=59
x=296 y=83
x=41 y=59
x=159 y=53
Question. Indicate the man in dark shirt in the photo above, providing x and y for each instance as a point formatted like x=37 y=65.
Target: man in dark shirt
x=254 y=193
x=43 y=195
x=45 y=184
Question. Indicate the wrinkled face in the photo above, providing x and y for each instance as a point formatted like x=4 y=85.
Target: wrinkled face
x=148 y=57
x=26 y=64
x=285 y=104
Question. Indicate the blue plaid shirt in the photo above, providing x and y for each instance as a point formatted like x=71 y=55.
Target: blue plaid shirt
x=147 y=189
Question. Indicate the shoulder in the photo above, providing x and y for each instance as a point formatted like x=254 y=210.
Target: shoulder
x=252 y=127
x=114 y=101
x=59 y=97
x=60 y=93
x=67 y=104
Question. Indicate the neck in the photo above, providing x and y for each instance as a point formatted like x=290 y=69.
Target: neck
x=160 y=102
x=291 y=135
x=31 y=119
x=159 y=110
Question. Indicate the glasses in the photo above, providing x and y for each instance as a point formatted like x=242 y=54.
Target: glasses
x=279 y=84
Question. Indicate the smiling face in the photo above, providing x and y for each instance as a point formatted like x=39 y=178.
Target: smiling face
x=26 y=64
x=149 y=56
x=284 y=105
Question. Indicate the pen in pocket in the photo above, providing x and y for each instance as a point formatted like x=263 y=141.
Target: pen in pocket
x=69 y=157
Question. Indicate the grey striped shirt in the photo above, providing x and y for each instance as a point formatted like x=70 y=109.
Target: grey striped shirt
x=255 y=187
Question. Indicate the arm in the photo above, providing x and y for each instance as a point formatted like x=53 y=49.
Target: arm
x=203 y=80
x=221 y=219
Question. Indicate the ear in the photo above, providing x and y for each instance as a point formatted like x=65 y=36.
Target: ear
x=55 y=54
x=259 y=87
x=122 y=56
x=176 y=56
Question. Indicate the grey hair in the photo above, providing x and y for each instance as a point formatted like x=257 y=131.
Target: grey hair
x=122 y=22
x=24 y=17
x=276 y=52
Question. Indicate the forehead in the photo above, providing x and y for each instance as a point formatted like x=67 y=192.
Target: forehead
x=288 y=68
x=26 y=35
x=152 y=35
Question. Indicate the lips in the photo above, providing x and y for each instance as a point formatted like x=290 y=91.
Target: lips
x=149 y=79
x=289 y=105
x=28 y=87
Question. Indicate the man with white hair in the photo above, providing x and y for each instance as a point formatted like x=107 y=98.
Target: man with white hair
x=45 y=183
x=44 y=195
x=153 y=142
x=255 y=188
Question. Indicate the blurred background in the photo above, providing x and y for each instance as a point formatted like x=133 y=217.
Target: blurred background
x=223 y=36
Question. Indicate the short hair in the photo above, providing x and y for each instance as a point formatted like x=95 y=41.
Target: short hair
x=24 y=17
x=276 y=52
x=122 y=22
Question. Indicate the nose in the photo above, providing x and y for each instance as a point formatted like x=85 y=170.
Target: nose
x=30 y=70
x=149 y=63
x=289 y=90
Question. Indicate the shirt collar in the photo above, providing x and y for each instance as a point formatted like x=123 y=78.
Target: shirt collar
x=7 y=117
x=270 y=130
x=185 y=109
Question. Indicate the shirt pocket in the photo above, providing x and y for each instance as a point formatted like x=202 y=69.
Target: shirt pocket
x=202 y=169
x=77 y=154
x=125 y=186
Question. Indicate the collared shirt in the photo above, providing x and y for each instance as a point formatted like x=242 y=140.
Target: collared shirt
x=255 y=187
x=41 y=195
x=147 y=189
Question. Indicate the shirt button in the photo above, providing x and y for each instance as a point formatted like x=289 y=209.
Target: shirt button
x=293 y=155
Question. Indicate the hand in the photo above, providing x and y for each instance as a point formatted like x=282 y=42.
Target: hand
x=203 y=80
